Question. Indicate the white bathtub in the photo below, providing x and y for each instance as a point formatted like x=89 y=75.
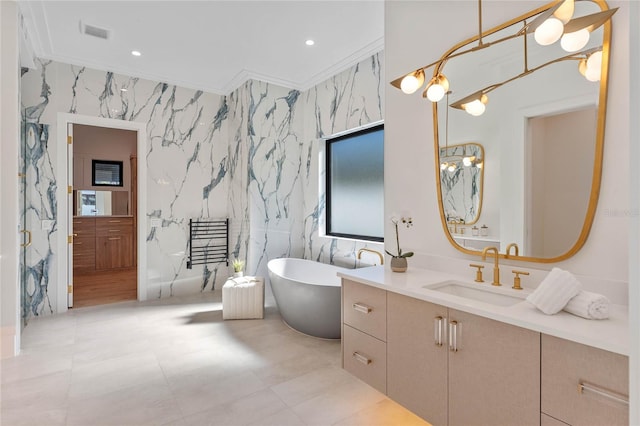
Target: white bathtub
x=308 y=295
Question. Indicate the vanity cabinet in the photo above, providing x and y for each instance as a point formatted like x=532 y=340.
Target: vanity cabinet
x=364 y=333
x=447 y=366
x=416 y=361
x=583 y=385
x=455 y=368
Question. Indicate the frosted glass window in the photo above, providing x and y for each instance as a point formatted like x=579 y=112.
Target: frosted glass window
x=355 y=183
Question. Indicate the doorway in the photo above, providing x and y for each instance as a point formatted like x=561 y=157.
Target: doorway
x=65 y=245
x=103 y=207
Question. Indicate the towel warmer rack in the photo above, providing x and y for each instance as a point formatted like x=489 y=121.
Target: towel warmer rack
x=208 y=242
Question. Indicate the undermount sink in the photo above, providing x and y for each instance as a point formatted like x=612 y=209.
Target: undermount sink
x=479 y=292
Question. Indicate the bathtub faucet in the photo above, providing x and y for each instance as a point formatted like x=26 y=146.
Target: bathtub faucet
x=371 y=251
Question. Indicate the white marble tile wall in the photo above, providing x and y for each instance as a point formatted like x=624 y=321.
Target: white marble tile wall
x=252 y=156
x=349 y=100
x=186 y=160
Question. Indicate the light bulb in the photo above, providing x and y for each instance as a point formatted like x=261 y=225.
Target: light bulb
x=479 y=164
x=594 y=61
x=452 y=167
x=412 y=82
x=467 y=161
x=572 y=42
x=592 y=74
x=475 y=108
x=549 y=32
x=438 y=87
x=435 y=92
x=444 y=165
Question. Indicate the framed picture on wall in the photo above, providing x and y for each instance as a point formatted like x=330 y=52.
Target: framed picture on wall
x=106 y=173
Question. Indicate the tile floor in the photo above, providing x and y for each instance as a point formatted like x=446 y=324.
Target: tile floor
x=176 y=362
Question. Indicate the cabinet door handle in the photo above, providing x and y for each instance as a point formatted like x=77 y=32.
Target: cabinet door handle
x=584 y=386
x=114 y=230
x=362 y=308
x=113 y=238
x=115 y=221
x=361 y=358
x=453 y=336
x=77 y=243
x=437 y=329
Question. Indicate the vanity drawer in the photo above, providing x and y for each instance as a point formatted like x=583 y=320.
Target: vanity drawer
x=365 y=357
x=106 y=227
x=566 y=366
x=365 y=308
x=84 y=227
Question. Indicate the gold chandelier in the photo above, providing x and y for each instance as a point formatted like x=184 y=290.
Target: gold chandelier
x=549 y=26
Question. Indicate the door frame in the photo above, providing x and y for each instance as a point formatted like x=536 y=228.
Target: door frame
x=64 y=119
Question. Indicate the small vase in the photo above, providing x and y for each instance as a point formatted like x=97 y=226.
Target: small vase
x=398 y=264
x=238 y=274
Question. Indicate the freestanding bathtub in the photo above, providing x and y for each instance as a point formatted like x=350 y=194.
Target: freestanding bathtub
x=308 y=295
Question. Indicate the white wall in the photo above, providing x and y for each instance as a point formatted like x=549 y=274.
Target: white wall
x=9 y=135
x=417 y=33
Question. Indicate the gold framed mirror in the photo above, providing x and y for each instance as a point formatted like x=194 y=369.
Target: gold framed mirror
x=540 y=117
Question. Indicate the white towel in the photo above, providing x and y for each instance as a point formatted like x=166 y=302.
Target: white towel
x=555 y=291
x=589 y=305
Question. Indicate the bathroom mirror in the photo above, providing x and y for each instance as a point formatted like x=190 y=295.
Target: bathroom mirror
x=542 y=134
x=101 y=203
x=461 y=178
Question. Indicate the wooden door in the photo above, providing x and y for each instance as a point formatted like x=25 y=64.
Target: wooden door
x=417 y=357
x=494 y=375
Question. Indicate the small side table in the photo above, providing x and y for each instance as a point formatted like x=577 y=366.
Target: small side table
x=243 y=298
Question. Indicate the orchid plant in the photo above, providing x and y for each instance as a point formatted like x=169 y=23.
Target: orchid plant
x=408 y=223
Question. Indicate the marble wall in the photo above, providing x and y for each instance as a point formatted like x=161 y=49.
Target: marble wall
x=186 y=159
x=253 y=156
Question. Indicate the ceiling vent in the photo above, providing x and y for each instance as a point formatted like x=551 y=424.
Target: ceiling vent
x=94 y=31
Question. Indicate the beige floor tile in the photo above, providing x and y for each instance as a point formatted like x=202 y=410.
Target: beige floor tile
x=35 y=417
x=242 y=411
x=310 y=385
x=97 y=378
x=284 y=417
x=175 y=362
x=152 y=403
x=338 y=403
x=384 y=413
x=47 y=392
x=204 y=391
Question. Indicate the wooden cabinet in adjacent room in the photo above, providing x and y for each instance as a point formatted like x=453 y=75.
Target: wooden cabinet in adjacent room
x=114 y=242
x=84 y=244
x=104 y=267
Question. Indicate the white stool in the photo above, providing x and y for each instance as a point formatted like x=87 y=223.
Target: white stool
x=243 y=298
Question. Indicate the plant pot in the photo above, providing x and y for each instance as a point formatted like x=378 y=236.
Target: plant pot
x=398 y=264
x=238 y=274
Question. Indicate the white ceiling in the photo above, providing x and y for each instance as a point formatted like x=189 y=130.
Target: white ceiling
x=210 y=45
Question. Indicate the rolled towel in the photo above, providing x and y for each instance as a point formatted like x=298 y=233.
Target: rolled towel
x=589 y=305
x=555 y=291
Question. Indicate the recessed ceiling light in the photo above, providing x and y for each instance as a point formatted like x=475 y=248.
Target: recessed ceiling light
x=309 y=42
x=136 y=53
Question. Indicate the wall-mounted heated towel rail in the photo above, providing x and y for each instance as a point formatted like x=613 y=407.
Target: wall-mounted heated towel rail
x=208 y=242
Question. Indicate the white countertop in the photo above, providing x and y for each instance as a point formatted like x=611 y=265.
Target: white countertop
x=611 y=334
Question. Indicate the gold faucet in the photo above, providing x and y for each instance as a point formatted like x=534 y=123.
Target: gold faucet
x=371 y=251
x=508 y=253
x=496 y=269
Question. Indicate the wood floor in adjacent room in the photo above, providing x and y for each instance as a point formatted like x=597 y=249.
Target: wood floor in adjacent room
x=175 y=361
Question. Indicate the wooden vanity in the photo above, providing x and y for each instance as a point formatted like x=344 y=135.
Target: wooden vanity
x=104 y=267
x=453 y=367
